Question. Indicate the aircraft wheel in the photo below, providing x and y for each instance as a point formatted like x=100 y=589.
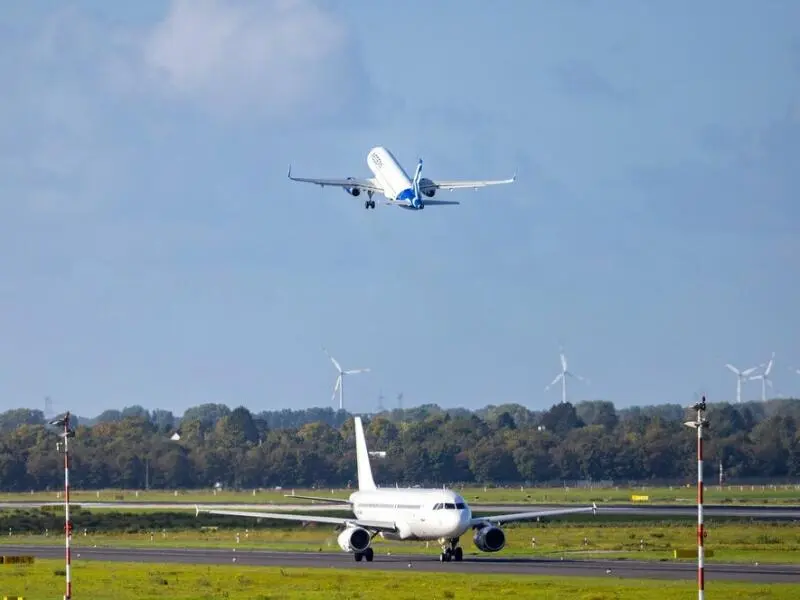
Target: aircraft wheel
x=358 y=556
x=458 y=554
x=369 y=554
x=366 y=204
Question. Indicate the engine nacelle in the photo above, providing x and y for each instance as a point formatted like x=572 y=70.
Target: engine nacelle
x=352 y=191
x=430 y=192
x=354 y=539
x=489 y=539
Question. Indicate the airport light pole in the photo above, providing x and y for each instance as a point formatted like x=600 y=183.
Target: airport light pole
x=66 y=434
x=699 y=424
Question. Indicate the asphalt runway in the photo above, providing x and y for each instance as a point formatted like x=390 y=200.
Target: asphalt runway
x=690 y=511
x=408 y=562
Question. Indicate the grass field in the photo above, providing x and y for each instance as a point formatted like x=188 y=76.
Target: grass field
x=728 y=494
x=731 y=542
x=126 y=581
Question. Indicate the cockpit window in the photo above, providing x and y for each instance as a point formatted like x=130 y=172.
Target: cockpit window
x=438 y=506
x=461 y=506
x=450 y=506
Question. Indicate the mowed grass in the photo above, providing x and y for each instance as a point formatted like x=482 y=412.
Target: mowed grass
x=728 y=494
x=127 y=581
x=730 y=541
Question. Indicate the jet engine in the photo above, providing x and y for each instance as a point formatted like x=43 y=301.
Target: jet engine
x=354 y=539
x=352 y=191
x=489 y=538
x=430 y=192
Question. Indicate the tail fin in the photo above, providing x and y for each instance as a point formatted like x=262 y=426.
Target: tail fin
x=417 y=176
x=365 y=481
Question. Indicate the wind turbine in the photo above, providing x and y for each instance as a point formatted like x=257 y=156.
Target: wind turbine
x=764 y=377
x=740 y=376
x=340 y=379
x=563 y=378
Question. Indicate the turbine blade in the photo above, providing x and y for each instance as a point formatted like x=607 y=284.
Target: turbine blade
x=747 y=372
x=334 y=361
x=353 y=371
x=336 y=387
x=563 y=362
x=734 y=369
x=769 y=364
x=555 y=381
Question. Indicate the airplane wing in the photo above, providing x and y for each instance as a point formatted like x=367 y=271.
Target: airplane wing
x=368 y=185
x=463 y=184
x=372 y=525
x=527 y=516
x=319 y=499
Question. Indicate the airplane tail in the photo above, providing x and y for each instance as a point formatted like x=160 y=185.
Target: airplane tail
x=417 y=176
x=365 y=481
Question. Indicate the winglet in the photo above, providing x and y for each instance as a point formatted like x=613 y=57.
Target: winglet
x=289 y=174
x=513 y=177
x=196 y=510
x=594 y=508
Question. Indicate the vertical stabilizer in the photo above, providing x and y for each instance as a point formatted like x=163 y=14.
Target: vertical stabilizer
x=365 y=481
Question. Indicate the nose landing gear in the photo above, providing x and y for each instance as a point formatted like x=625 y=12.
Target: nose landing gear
x=369 y=204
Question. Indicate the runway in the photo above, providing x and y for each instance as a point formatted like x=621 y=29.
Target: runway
x=409 y=562
x=690 y=511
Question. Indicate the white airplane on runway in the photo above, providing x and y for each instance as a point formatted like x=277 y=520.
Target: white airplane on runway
x=393 y=182
x=406 y=514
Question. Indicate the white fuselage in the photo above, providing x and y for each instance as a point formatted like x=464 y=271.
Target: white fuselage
x=388 y=172
x=420 y=514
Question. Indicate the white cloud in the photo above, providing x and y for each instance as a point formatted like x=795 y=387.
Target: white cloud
x=269 y=57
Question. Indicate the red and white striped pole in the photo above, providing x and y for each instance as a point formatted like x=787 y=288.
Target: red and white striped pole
x=67 y=524
x=66 y=434
x=700 y=424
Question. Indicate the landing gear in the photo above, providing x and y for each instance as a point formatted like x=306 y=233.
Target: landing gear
x=369 y=554
x=369 y=204
x=451 y=551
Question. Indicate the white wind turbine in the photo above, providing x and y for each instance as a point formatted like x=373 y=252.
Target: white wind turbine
x=740 y=377
x=340 y=379
x=563 y=378
x=764 y=377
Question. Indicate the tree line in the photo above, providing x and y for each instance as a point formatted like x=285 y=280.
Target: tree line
x=425 y=445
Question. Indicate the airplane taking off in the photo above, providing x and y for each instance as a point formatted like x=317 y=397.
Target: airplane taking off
x=406 y=514
x=393 y=182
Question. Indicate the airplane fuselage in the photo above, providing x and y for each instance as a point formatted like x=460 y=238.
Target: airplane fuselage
x=419 y=514
x=396 y=183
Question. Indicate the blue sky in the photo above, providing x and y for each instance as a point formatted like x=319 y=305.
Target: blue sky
x=153 y=252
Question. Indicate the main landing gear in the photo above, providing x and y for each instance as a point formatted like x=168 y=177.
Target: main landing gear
x=369 y=204
x=368 y=554
x=451 y=551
